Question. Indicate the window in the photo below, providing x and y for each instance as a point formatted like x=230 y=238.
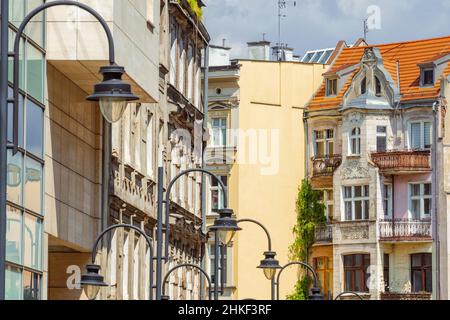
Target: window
x=364 y=86
x=356 y=272
x=173 y=51
x=219 y=134
x=190 y=76
x=328 y=200
x=420 y=135
x=222 y=263
x=35 y=129
x=386 y=272
x=356 y=203
x=381 y=138
x=324 y=143
x=33 y=185
x=331 y=87
x=377 y=87
x=217 y=193
x=355 y=142
x=421 y=277
x=428 y=77
x=182 y=64
x=420 y=201
x=387 y=199
x=324 y=270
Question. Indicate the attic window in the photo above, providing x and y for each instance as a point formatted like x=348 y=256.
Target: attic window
x=377 y=87
x=364 y=86
x=427 y=76
x=331 y=87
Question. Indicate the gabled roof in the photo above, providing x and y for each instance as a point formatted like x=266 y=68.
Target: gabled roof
x=404 y=56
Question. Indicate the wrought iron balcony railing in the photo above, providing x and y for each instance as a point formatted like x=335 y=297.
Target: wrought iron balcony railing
x=326 y=165
x=398 y=161
x=324 y=234
x=405 y=230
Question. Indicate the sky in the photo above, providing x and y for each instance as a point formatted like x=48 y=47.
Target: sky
x=317 y=24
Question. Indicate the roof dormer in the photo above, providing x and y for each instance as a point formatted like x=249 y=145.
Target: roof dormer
x=431 y=69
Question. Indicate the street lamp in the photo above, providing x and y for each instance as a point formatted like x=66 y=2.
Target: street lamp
x=315 y=292
x=112 y=93
x=269 y=264
x=226 y=225
x=92 y=281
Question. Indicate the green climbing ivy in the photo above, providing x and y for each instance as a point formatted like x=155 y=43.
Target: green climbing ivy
x=310 y=213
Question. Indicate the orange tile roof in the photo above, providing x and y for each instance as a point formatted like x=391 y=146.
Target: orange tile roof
x=408 y=55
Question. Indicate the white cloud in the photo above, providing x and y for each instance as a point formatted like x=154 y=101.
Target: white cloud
x=321 y=23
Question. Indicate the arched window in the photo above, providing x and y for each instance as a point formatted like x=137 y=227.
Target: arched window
x=355 y=141
x=364 y=85
x=377 y=86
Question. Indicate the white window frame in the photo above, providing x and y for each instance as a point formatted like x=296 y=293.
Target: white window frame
x=220 y=128
x=353 y=199
x=327 y=87
x=220 y=192
x=325 y=140
x=328 y=202
x=356 y=136
x=387 y=202
x=421 y=197
x=422 y=134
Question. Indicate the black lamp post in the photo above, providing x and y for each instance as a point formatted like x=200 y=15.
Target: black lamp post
x=315 y=292
x=225 y=225
x=112 y=95
x=92 y=281
x=269 y=264
x=347 y=293
x=185 y=265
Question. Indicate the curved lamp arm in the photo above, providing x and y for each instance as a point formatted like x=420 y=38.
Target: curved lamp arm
x=184 y=266
x=167 y=201
x=15 y=53
x=349 y=292
x=269 y=240
x=277 y=283
x=141 y=232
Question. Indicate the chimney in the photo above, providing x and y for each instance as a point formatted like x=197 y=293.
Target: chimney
x=259 y=50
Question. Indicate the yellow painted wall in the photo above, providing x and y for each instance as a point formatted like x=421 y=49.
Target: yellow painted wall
x=272 y=95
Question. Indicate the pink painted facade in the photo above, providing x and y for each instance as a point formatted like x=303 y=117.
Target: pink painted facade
x=401 y=193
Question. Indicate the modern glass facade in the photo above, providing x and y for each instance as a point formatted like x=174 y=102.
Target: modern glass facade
x=25 y=188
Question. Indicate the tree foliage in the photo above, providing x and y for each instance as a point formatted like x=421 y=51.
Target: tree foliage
x=310 y=213
x=196 y=8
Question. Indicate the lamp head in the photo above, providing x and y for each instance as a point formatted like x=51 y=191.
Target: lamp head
x=315 y=294
x=113 y=94
x=225 y=225
x=92 y=281
x=269 y=265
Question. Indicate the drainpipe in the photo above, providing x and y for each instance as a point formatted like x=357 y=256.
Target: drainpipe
x=306 y=129
x=205 y=127
x=435 y=217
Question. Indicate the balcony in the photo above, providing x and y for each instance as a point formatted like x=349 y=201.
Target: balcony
x=398 y=162
x=405 y=296
x=323 y=170
x=405 y=230
x=323 y=234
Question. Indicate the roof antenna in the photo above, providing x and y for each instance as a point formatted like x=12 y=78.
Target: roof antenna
x=366 y=30
x=282 y=4
x=223 y=42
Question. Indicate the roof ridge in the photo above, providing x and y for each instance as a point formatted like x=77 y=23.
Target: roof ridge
x=406 y=42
